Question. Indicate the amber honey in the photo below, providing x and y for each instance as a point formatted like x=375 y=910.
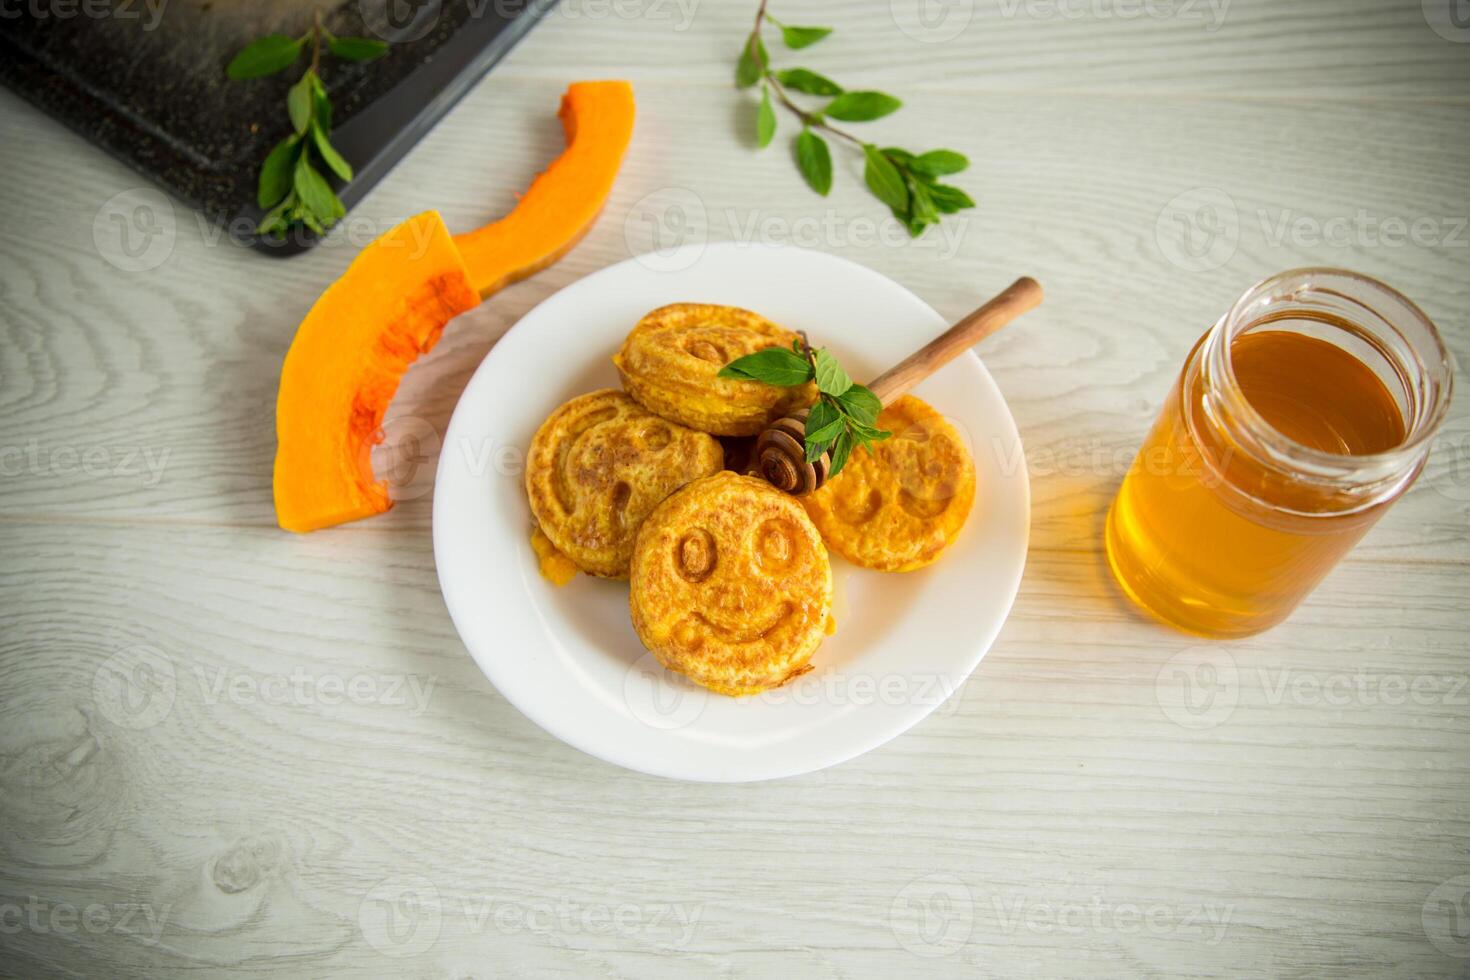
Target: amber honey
x=1294 y=425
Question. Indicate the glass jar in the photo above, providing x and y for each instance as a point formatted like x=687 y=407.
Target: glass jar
x=1297 y=420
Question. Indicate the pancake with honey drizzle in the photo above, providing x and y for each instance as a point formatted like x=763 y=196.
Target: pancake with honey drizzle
x=598 y=465
x=670 y=362
x=899 y=507
x=730 y=585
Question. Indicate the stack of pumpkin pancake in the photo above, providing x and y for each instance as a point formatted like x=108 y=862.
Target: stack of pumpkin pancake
x=730 y=581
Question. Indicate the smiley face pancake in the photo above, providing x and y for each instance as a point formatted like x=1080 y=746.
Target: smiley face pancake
x=730 y=585
x=670 y=363
x=898 y=508
x=598 y=465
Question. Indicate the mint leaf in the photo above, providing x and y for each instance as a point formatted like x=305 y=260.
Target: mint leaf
x=299 y=101
x=330 y=156
x=949 y=199
x=265 y=56
x=884 y=180
x=922 y=206
x=752 y=63
x=823 y=423
x=831 y=379
x=939 y=163
x=774 y=366
x=275 y=173
x=841 y=449
x=860 y=404
x=797 y=38
x=815 y=161
x=357 y=48
x=808 y=81
x=765 y=119
x=316 y=195
x=861 y=106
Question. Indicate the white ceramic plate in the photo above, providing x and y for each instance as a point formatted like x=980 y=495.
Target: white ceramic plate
x=568 y=657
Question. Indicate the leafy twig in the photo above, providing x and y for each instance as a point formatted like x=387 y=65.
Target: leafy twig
x=845 y=414
x=290 y=186
x=907 y=182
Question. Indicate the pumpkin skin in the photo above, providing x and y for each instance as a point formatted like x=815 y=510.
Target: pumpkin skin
x=392 y=304
x=345 y=364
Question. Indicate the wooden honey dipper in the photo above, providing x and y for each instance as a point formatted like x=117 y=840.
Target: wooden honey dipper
x=780 y=451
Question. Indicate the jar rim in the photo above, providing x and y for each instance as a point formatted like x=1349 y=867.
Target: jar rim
x=1422 y=422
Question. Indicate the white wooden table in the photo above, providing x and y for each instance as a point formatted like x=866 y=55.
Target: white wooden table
x=225 y=748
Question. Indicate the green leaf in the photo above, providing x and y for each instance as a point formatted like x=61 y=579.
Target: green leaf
x=329 y=153
x=322 y=103
x=884 y=180
x=867 y=433
x=823 y=423
x=357 y=48
x=808 y=81
x=815 y=161
x=841 y=449
x=317 y=199
x=901 y=158
x=265 y=56
x=949 y=199
x=939 y=163
x=275 y=222
x=861 y=106
x=765 y=119
x=774 y=366
x=825 y=435
x=298 y=102
x=275 y=173
x=921 y=206
x=797 y=38
x=752 y=63
x=831 y=379
x=860 y=404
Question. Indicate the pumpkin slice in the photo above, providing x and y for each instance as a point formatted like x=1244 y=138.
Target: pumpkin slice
x=389 y=307
x=561 y=203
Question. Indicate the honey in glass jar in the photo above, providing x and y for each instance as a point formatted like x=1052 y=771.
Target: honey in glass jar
x=1296 y=422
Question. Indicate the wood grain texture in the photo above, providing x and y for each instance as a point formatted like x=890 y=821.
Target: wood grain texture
x=224 y=749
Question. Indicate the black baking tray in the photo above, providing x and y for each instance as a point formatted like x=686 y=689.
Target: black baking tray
x=145 y=80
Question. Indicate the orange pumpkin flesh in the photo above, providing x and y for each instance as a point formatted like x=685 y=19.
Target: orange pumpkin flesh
x=392 y=303
x=561 y=203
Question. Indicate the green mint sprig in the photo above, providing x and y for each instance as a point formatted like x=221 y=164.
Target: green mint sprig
x=845 y=414
x=907 y=182
x=290 y=185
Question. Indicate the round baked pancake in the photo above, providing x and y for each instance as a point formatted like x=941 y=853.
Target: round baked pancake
x=671 y=360
x=731 y=585
x=598 y=465
x=897 y=508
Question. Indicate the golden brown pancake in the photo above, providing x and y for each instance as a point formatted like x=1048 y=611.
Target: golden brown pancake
x=670 y=361
x=897 y=508
x=598 y=465
x=731 y=585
